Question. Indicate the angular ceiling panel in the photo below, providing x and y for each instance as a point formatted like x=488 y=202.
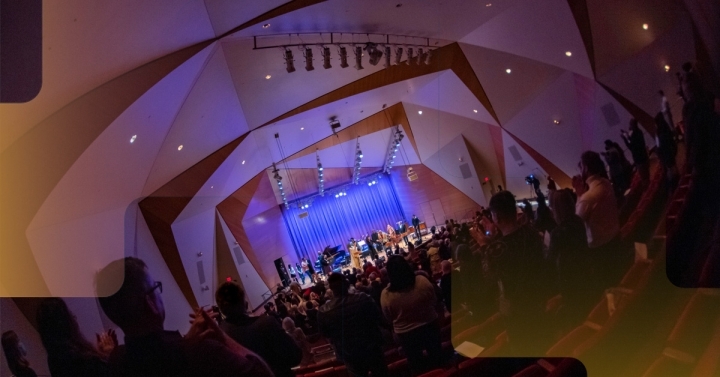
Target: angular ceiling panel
x=518 y=165
x=618 y=27
x=112 y=171
x=560 y=143
x=509 y=92
x=228 y=14
x=539 y=30
x=210 y=117
x=647 y=69
x=265 y=99
x=449 y=94
x=86 y=44
x=454 y=163
x=449 y=20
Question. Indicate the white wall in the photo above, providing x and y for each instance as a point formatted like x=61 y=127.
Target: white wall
x=446 y=163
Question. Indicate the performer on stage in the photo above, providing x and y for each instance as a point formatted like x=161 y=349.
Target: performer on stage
x=371 y=247
x=324 y=264
x=354 y=255
x=416 y=224
x=308 y=269
x=402 y=229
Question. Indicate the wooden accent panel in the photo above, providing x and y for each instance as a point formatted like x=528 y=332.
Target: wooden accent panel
x=164 y=206
x=288 y=7
x=233 y=209
x=646 y=120
x=379 y=121
x=559 y=176
x=497 y=140
x=224 y=262
x=579 y=10
x=428 y=187
x=446 y=57
x=33 y=165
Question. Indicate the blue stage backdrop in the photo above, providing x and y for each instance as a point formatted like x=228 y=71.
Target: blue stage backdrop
x=332 y=221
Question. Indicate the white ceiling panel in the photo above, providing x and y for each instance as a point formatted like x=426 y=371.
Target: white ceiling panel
x=88 y=43
x=226 y=15
x=113 y=170
x=447 y=19
x=540 y=30
x=210 y=118
x=449 y=94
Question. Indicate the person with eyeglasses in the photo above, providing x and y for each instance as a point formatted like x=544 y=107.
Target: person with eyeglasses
x=149 y=350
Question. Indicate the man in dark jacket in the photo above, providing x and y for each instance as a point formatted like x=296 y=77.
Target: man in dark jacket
x=635 y=141
x=263 y=335
x=352 y=324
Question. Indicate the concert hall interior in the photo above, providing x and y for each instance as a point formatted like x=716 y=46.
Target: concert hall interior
x=267 y=144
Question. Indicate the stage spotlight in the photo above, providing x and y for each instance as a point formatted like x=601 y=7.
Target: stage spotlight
x=398 y=55
x=387 y=57
x=289 y=65
x=336 y=196
x=374 y=52
x=412 y=60
x=359 y=153
x=326 y=57
x=309 y=59
x=358 y=58
x=343 y=57
x=422 y=56
x=320 y=167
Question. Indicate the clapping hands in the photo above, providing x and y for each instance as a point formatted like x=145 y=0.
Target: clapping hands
x=106 y=342
x=204 y=326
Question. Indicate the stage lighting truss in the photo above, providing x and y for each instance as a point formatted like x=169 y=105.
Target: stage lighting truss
x=398 y=55
x=278 y=180
x=387 y=57
x=358 y=163
x=341 y=193
x=326 y=57
x=321 y=179
x=309 y=59
x=393 y=150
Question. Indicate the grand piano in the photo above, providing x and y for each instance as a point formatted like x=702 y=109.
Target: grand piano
x=335 y=257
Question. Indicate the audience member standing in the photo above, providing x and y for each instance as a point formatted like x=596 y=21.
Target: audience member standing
x=262 y=335
x=635 y=141
x=515 y=260
x=409 y=303
x=569 y=250
x=597 y=207
x=69 y=353
x=666 y=150
x=620 y=175
x=352 y=324
x=15 y=355
x=446 y=284
x=301 y=342
x=138 y=309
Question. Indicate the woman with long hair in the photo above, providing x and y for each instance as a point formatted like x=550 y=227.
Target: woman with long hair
x=15 y=355
x=409 y=303
x=69 y=353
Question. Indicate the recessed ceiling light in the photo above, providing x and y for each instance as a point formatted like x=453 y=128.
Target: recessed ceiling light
x=474 y=110
x=180 y=147
x=266 y=26
x=556 y=121
x=508 y=71
x=420 y=112
x=267 y=77
x=243 y=162
x=488 y=5
x=302 y=128
x=132 y=139
x=645 y=26
x=568 y=53
x=667 y=68
x=212 y=186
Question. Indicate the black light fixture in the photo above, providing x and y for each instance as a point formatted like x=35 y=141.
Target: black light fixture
x=343 y=57
x=387 y=57
x=422 y=56
x=326 y=57
x=309 y=59
x=358 y=58
x=374 y=52
x=398 y=55
x=412 y=60
x=289 y=65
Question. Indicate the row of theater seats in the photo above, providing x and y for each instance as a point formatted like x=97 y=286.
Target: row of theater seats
x=648 y=197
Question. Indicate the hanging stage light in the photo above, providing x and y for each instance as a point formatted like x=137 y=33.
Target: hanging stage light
x=321 y=180
x=326 y=57
x=358 y=58
x=309 y=59
x=422 y=56
x=343 y=57
x=411 y=57
x=289 y=65
x=374 y=52
x=387 y=57
x=398 y=55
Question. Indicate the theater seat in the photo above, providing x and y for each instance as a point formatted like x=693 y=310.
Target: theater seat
x=474 y=367
x=399 y=368
x=322 y=373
